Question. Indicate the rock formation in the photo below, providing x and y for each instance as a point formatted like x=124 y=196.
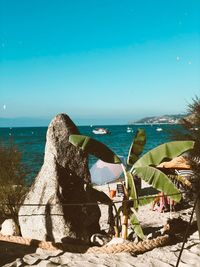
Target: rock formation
x=62 y=180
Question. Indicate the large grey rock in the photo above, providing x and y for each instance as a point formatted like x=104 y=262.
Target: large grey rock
x=61 y=180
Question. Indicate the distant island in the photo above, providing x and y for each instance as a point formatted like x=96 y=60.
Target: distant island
x=165 y=119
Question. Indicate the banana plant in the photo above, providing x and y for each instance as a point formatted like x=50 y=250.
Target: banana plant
x=130 y=192
x=144 y=168
x=136 y=147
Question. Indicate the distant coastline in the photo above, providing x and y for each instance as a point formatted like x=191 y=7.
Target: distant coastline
x=164 y=119
x=154 y=123
x=42 y=122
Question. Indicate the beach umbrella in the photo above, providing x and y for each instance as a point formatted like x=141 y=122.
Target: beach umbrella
x=103 y=172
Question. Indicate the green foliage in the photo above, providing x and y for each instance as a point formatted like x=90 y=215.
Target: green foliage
x=12 y=180
x=136 y=147
x=136 y=226
x=190 y=130
x=142 y=168
x=132 y=190
x=94 y=147
x=145 y=200
x=191 y=125
x=153 y=176
x=159 y=181
x=163 y=152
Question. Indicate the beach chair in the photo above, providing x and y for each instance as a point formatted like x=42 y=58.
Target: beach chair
x=162 y=203
x=120 y=190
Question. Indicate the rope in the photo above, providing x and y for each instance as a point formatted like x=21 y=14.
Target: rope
x=130 y=247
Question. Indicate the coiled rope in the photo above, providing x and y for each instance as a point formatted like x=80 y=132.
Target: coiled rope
x=130 y=247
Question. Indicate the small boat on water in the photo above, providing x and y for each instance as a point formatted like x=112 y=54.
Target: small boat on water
x=129 y=130
x=101 y=131
x=159 y=129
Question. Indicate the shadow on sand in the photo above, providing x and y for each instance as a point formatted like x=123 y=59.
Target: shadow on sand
x=11 y=251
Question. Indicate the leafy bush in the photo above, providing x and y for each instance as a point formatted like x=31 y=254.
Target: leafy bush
x=193 y=131
x=191 y=126
x=12 y=180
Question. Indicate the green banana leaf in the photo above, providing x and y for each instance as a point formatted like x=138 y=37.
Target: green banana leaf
x=136 y=147
x=94 y=147
x=145 y=200
x=136 y=226
x=132 y=190
x=165 y=151
x=159 y=181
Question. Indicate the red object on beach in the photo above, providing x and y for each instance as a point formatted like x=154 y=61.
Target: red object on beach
x=112 y=193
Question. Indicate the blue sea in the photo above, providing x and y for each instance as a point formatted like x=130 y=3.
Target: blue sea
x=31 y=141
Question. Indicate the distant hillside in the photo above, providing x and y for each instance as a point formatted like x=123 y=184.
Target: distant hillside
x=172 y=119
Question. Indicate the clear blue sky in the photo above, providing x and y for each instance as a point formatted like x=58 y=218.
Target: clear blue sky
x=100 y=61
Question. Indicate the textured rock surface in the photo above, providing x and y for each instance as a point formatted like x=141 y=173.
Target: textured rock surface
x=9 y=227
x=60 y=181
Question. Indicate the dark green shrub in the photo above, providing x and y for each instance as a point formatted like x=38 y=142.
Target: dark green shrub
x=12 y=180
x=191 y=126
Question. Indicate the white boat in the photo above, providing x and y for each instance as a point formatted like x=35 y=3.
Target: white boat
x=129 y=130
x=100 y=131
x=159 y=129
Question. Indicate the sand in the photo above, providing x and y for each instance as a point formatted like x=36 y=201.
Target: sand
x=12 y=254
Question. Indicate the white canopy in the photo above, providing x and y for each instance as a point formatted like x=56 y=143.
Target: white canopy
x=103 y=172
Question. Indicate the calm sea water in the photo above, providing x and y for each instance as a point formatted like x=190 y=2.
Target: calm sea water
x=31 y=141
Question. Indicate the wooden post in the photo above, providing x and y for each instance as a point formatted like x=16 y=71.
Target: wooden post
x=125 y=206
x=116 y=231
x=125 y=227
x=125 y=215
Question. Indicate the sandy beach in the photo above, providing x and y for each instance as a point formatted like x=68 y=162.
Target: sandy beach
x=12 y=254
